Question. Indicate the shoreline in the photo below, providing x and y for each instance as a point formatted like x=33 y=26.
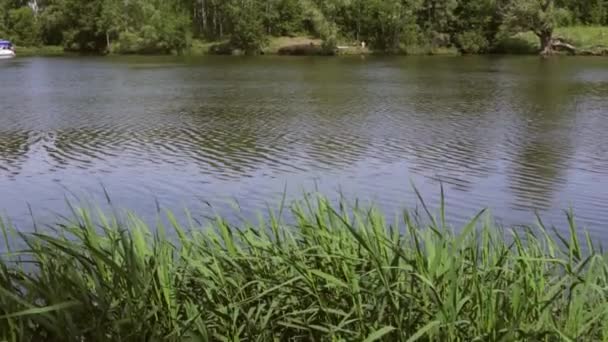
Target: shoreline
x=589 y=41
x=52 y=51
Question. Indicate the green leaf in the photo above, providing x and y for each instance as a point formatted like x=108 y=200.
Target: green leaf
x=329 y=278
x=39 y=311
x=423 y=331
x=378 y=334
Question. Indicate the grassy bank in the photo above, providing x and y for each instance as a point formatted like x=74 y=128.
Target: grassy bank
x=335 y=275
x=48 y=50
x=310 y=46
x=589 y=40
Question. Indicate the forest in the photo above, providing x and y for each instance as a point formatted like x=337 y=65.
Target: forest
x=171 y=26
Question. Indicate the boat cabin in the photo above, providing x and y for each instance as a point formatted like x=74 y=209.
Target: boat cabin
x=6 y=45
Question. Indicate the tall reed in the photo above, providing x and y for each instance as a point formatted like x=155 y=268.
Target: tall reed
x=338 y=273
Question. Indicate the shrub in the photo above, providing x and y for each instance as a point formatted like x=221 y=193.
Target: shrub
x=472 y=42
x=23 y=27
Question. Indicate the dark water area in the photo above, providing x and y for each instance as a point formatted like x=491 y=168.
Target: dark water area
x=513 y=134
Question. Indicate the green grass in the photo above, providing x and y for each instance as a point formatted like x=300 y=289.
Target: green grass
x=430 y=51
x=336 y=274
x=46 y=50
x=587 y=39
x=201 y=47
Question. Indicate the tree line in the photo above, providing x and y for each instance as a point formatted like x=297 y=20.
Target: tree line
x=163 y=26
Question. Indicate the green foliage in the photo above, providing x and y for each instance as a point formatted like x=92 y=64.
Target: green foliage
x=588 y=12
x=522 y=43
x=53 y=22
x=585 y=37
x=477 y=25
x=472 y=42
x=335 y=274
x=539 y=16
x=160 y=30
x=395 y=26
x=248 y=32
x=74 y=24
x=23 y=28
x=170 y=26
x=289 y=18
x=437 y=15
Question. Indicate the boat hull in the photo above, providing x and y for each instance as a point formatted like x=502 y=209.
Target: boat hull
x=7 y=55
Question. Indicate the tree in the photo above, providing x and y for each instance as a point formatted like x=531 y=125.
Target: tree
x=110 y=21
x=395 y=24
x=3 y=18
x=163 y=26
x=53 y=22
x=249 y=32
x=476 y=25
x=538 y=16
x=23 y=27
x=437 y=15
x=76 y=21
x=591 y=12
x=288 y=18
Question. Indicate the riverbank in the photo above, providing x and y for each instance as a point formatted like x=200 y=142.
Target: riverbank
x=310 y=46
x=336 y=274
x=587 y=40
x=42 y=51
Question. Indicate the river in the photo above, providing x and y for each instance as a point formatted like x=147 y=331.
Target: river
x=512 y=134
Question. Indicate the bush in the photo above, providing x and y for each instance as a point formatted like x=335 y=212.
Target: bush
x=23 y=27
x=128 y=42
x=564 y=17
x=161 y=35
x=472 y=42
x=290 y=18
x=248 y=34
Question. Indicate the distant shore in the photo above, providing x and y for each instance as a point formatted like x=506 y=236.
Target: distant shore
x=588 y=41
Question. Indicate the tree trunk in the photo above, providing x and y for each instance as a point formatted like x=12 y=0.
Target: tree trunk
x=359 y=22
x=204 y=17
x=268 y=17
x=546 y=42
x=215 y=27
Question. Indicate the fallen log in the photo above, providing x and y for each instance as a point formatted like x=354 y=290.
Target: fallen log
x=560 y=44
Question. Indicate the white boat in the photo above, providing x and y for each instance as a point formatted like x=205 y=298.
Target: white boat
x=6 y=50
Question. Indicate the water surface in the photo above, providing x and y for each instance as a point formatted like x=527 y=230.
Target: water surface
x=514 y=134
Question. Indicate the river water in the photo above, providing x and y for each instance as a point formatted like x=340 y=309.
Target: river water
x=512 y=134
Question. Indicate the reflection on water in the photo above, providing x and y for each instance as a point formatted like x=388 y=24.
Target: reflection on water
x=542 y=152
x=512 y=134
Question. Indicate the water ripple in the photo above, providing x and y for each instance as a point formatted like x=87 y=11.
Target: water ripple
x=510 y=134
